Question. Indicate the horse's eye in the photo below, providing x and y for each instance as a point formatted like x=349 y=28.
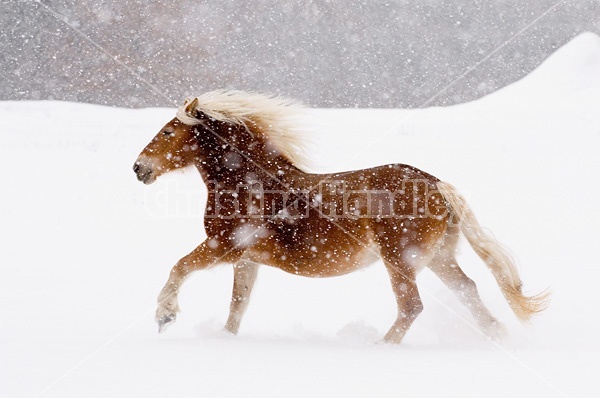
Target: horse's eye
x=169 y=132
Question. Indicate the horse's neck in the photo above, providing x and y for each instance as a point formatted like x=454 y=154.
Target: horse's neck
x=273 y=173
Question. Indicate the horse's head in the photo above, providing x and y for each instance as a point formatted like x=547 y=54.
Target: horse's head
x=174 y=147
x=228 y=129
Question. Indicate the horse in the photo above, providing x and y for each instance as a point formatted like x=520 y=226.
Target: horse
x=263 y=207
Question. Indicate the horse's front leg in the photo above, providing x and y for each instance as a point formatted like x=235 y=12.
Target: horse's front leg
x=200 y=258
x=244 y=276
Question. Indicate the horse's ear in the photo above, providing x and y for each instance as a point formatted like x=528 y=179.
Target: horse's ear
x=191 y=108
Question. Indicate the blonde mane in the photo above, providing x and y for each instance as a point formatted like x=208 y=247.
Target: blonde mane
x=272 y=117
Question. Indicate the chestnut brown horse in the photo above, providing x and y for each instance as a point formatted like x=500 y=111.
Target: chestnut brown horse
x=264 y=209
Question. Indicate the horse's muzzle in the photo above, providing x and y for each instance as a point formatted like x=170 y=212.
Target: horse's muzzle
x=144 y=173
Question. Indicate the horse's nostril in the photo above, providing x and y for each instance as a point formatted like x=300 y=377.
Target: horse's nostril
x=136 y=168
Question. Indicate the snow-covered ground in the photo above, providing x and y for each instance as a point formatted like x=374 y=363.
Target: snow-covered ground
x=86 y=248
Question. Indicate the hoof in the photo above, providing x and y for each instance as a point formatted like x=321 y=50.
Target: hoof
x=495 y=331
x=230 y=331
x=165 y=321
x=232 y=327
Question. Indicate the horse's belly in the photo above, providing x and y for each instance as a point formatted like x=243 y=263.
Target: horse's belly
x=327 y=264
x=318 y=249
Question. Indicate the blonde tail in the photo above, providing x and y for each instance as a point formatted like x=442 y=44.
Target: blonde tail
x=497 y=259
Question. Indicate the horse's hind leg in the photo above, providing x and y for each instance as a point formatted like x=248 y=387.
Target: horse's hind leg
x=403 y=278
x=244 y=276
x=444 y=265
